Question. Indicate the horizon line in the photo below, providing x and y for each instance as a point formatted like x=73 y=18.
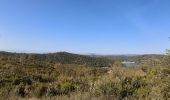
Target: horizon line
x=95 y=54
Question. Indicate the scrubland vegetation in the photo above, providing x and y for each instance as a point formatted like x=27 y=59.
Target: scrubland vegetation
x=64 y=76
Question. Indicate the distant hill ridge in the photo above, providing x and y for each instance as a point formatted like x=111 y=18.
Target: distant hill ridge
x=59 y=57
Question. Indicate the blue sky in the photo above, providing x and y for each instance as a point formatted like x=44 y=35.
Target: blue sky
x=85 y=26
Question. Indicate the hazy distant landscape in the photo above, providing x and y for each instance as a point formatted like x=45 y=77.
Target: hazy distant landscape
x=84 y=50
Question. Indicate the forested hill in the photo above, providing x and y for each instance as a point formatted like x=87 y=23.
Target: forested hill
x=53 y=58
x=135 y=58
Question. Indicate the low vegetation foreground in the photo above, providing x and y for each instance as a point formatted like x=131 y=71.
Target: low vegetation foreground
x=65 y=76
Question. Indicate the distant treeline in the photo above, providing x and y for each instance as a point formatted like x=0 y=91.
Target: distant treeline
x=60 y=57
x=135 y=58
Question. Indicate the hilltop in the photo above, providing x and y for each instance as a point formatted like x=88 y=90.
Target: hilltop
x=59 y=57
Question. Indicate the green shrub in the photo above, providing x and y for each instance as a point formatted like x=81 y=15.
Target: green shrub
x=68 y=87
x=142 y=92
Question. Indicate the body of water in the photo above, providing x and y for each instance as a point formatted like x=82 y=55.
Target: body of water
x=130 y=64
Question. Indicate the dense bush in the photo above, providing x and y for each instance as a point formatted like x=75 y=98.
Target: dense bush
x=44 y=80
